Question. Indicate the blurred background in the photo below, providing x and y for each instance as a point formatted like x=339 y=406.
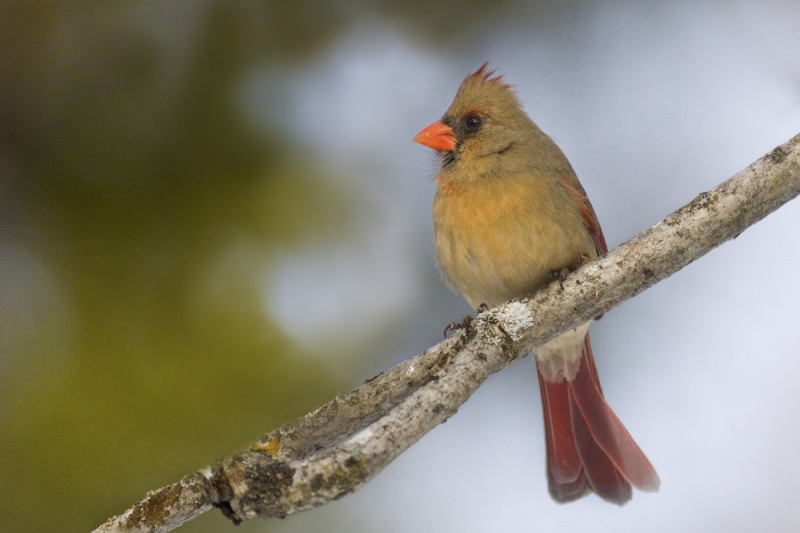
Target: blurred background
x=212 y=219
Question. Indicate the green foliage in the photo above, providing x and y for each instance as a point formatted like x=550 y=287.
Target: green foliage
x=153 y=209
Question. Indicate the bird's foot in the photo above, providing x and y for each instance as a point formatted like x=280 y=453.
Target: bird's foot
x=561 y=274
x=453 y=326
x=464 y=324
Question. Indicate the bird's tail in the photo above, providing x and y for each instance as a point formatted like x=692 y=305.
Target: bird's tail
x=588 y=448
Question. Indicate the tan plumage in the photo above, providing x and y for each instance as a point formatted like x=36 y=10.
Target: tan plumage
x=509 y=211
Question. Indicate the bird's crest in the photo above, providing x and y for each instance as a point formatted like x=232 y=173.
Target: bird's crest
x=486 y=92
x=488 y=76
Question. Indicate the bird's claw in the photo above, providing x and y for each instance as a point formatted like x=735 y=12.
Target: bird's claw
x=561 y=274
x=464 y=324
x=453 y=326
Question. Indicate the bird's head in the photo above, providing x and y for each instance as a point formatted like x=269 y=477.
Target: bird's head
x=483 y=124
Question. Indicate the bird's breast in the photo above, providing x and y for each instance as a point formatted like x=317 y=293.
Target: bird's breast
x=501 y=239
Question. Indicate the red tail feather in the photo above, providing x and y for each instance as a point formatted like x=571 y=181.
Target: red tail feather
x=566 y=478
x=588 y=448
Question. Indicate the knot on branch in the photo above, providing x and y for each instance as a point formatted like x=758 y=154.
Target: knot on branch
x=504 y=327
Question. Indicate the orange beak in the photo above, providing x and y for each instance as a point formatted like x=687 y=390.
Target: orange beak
x=438 y=136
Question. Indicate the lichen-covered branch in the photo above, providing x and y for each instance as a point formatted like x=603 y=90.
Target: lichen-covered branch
x=345 y=443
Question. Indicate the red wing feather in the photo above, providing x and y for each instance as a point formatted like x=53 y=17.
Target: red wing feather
x=587 y=212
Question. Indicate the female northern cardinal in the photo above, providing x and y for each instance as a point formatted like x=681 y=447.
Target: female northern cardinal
x=509 y=212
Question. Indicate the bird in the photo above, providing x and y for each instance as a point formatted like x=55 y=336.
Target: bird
x=509 y=213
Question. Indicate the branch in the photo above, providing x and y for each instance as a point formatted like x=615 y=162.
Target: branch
x=336 y=449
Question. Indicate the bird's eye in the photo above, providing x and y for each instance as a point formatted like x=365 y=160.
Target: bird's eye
x=473 y=122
